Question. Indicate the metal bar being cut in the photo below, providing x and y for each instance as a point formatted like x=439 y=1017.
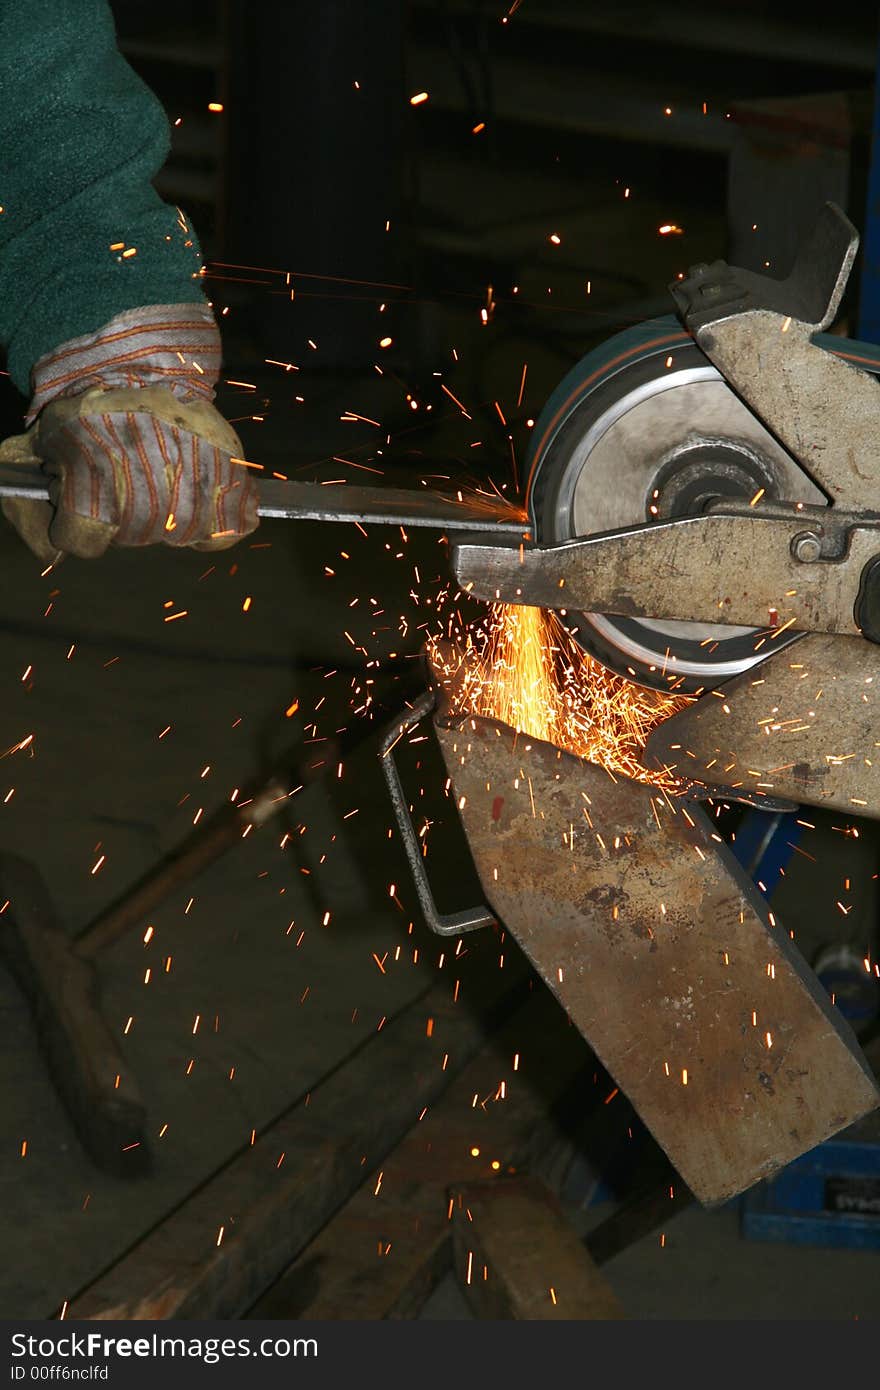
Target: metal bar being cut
x=299 y=501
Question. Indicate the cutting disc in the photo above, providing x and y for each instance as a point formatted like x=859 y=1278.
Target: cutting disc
x=645 y=428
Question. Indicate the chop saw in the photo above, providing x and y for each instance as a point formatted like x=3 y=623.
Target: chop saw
x=706 y=504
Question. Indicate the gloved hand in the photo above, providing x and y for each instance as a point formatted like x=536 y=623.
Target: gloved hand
x=123 y=423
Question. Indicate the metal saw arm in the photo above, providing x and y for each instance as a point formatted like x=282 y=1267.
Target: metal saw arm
x=815 y=569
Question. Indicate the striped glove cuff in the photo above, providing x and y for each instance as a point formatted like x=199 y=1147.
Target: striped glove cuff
x=172 y=345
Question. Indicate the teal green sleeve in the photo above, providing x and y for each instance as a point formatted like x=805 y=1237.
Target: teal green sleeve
x=81 y=137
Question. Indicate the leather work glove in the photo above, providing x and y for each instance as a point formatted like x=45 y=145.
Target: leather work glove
x=123 y=423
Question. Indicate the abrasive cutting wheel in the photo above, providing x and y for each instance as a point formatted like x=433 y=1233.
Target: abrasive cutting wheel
x=643 y=428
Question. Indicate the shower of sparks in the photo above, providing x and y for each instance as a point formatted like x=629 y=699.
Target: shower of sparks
x=523 y=667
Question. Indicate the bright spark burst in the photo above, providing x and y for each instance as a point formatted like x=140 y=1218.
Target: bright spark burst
x=523 y=667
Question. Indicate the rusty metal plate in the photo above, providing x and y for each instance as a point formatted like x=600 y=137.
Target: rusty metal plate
x=805 y=725
x=661 y=951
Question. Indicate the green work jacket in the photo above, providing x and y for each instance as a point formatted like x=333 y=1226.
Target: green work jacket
x=81 y=138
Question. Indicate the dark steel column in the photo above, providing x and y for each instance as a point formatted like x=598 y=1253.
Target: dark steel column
x=315 y=164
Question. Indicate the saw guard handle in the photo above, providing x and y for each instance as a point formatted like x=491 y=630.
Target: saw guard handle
x=443 y=923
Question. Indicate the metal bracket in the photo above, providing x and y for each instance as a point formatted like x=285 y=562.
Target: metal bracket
x=759 y=332
x=811 y=293
x=443 y=923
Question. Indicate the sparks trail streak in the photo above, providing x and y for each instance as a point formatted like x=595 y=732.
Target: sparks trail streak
x=523 y=667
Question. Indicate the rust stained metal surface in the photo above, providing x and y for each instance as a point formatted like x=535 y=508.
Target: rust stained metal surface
x=804 y=725
x=660 y=950
x=759 y=330
x=517 y=1257
x=690 y=568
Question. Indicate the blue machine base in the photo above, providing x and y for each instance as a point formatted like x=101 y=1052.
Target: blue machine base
x=830 y=1196
x=810 y=1228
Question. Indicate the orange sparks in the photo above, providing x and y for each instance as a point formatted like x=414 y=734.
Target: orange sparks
x=455 y=399
x=523 y=668
x=522 y=384
x=419 y=99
